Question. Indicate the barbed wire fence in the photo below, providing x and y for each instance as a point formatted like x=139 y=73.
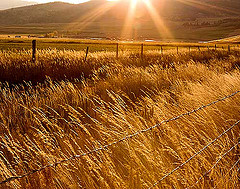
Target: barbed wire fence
x=196 y=154
x=215 y=164
x=136 y=134
x=142 y=45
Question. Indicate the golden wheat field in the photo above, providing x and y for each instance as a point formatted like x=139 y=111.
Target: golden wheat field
x=91 y=114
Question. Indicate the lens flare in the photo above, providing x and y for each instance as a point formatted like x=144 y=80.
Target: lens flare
x=159 y=23
x=129 y=21
x=129 y=24
x=82 y=22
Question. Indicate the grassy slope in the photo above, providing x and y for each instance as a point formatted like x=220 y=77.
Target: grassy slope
x=45 y=123
x=233 y=39
x=113 y=30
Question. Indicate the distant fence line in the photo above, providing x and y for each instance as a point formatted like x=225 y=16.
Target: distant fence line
x=142 y=45
x=105 y=147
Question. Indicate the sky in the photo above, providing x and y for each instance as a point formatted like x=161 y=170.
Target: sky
x=6 y=4
x=67 y=1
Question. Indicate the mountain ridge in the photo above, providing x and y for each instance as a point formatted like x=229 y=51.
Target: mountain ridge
x=203 y=20
x=60 y=12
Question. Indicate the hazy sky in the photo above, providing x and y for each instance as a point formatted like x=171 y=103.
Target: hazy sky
x=5 y=4
x=68 y=1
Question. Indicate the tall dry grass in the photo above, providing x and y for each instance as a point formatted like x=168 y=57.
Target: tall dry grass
x=17 y=67
x=44 y=123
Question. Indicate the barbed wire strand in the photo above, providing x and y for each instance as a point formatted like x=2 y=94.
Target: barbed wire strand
x=215 y=164
x=118 y=141
x=228 y=172
x=194 y=155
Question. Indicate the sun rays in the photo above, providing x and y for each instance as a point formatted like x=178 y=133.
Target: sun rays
x=82 y=22
x=130 y=28
x=127 y=31
x=133 y=25
x=158 y=21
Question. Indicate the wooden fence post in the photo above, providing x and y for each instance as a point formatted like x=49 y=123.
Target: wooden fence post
x=142 y=51
x=199 y=48
x=117 y=50
x=229 y=48
x=87 y=50
x=161 y=50
x=215 y=46
x=34 y=50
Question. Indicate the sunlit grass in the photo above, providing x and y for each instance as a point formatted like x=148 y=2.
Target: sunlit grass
x=111 y=98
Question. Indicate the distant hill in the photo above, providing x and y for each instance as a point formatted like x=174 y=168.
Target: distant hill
x=58 y=12
x=186 y=18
